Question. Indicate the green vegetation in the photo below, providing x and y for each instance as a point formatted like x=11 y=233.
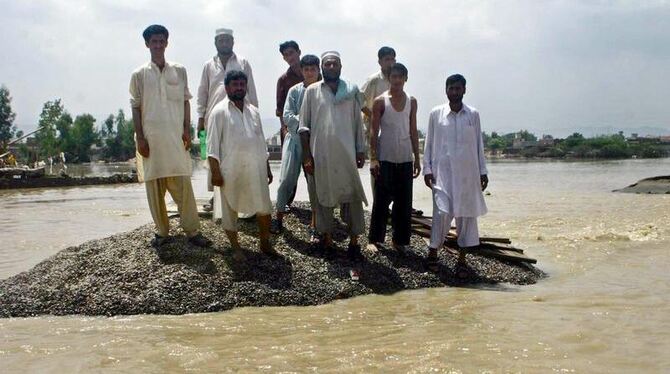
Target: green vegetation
x=526 y=144
x=7 y=127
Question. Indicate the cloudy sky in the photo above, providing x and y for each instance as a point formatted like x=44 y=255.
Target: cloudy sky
x=546 y=66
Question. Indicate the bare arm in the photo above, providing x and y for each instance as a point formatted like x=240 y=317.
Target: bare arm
x=186 y=136
x=414 y=136
x=203 y=98
x=375 y=124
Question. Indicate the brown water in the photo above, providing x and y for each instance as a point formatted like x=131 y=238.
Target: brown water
x=604 y=308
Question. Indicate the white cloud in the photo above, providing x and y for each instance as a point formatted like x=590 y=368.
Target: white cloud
x=538 y=65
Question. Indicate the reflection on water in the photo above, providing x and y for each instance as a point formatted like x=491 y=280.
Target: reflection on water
x=603 y=309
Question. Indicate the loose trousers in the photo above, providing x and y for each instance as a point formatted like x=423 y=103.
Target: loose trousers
x=182 y=193
x=351 y=213
x=466 y=229
x=394 y=184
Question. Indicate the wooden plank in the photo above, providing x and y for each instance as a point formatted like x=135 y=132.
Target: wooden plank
x=504 y=254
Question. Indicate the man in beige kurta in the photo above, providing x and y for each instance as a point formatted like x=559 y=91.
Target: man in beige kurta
x=159 y=97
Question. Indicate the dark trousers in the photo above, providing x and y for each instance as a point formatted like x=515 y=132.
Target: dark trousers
x=394 y=184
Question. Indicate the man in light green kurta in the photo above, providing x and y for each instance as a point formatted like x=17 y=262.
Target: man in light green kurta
x=159 y=98
x=331 y=130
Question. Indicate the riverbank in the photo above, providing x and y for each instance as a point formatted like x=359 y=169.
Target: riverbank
x=653 y=185
x=123 y=274
x=65 y=181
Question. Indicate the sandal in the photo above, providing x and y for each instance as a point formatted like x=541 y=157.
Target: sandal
x=158 y=240
x=431 y=260
x=314 y=236
x=276 y=226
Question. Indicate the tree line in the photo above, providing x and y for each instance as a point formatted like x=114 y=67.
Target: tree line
x=75 y=137
x=575 y=145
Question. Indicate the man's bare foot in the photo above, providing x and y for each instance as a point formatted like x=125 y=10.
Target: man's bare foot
x=373 y=248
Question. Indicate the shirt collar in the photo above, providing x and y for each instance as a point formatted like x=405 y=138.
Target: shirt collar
x=230 y=104
x=464 y=109
x=233 y=56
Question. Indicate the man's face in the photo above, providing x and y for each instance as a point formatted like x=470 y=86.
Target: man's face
x=310 y=73
x=291 y=56
x=236 y=89
x=224 y=44
x=331 y=68
x=157 y=44
x=386 y=62
x=455 y=92
x=397 y=80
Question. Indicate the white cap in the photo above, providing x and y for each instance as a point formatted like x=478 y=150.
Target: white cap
x=223 y=31
x=326 y=54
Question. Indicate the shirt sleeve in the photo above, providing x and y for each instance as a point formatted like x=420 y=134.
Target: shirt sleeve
x=291 y=113
x=306 y=113
x=214 y=135
x=358 y=127
x=281 y=97
x=187 y=92
x=367 y=90
x=428 y=146
x=136 y=90
x=480 y=146
x=251 y=86
x=203 y=93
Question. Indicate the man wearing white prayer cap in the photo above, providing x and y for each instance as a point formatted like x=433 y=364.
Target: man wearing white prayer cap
x=331 y=130
x=212 y=89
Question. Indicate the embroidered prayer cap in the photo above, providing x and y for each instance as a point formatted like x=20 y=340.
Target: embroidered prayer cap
x=224 y=31
x=327 y=54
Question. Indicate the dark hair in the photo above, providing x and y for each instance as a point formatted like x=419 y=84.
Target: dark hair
x=155 y=30
x=289 y=44
x=385 y=51
x=400 y=68
x=234 y=75
x=309 y=60
x=455 y=78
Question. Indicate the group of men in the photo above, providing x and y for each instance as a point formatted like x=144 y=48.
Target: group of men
x=327 y=126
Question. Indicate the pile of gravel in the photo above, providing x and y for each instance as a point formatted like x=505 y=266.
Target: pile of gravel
x=123 y=274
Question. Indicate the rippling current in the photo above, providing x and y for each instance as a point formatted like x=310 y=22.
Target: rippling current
x=604 y=308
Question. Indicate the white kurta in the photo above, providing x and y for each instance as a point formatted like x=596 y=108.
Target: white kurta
x=454 y=154
x=235 y=138
x=212 y=88
x=160 y=96
x=336 y=135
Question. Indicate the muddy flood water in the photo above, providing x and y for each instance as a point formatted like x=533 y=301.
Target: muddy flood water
x=605 y=306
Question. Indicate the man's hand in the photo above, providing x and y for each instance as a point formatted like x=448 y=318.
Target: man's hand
x=374 y=168
x=484 y=180
x=417 y=168
x=308 y=164
x=201 y=124
x=429 y=180
x=360 y=159
x=186 y=138
x=283 y=130
x=143 y=147
x=217 y=179
x=269 y=176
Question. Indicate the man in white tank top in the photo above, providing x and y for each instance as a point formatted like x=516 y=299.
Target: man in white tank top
x=394 y=160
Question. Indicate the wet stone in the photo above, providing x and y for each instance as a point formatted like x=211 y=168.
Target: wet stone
x=123 y=274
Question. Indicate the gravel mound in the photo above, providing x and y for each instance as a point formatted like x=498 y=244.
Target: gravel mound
x=123 y=274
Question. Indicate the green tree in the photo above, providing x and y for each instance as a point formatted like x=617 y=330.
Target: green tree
x=84 y=136
x=65 y=140
x=527 y=136
x=574 y=140
x=496 y=144
x=46 y=139
x=7 y=116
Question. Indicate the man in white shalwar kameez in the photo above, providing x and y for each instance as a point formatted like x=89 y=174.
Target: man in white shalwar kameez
x=331 y=130
x=211 y=89
x=238 y=159
x=159 y=98
x=454 y=167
